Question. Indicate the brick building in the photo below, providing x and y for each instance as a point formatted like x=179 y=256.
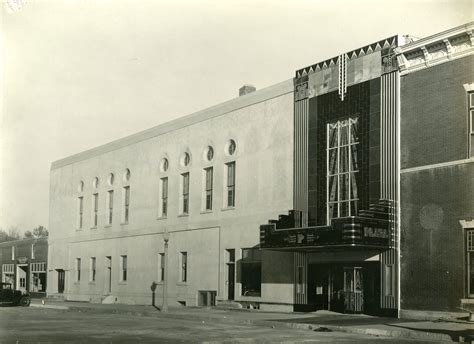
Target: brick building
x=358 y=172
x=24 y=264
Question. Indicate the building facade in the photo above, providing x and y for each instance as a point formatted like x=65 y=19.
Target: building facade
x=349 y=188
x=24 y=265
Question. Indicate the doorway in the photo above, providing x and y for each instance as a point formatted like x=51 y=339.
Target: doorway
x=108 y=275
x=21 y=273
x=344 y=287
x=61 y=280
x=230 y=274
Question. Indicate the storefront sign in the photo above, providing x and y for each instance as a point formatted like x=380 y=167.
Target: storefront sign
x=22 y=260
x=374 y=232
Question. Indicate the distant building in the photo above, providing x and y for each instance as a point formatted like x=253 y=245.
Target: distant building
x=348 y=188
x=24 y=264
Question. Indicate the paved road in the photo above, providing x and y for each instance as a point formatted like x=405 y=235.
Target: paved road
x=22 y=325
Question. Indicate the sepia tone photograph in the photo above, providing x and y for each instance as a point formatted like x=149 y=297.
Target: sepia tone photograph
x=248 y=171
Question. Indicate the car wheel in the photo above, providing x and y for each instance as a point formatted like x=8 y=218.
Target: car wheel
x=25 y=301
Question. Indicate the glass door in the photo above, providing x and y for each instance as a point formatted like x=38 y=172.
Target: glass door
x=353 y=290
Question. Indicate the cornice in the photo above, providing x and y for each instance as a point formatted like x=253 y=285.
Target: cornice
x=436 y=49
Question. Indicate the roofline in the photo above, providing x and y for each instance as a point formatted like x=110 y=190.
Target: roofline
x=436 y=37
x=259 y=96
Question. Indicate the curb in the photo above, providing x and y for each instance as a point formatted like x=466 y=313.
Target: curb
x=395 y=333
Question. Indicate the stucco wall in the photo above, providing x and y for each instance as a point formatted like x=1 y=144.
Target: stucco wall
x=263 y=132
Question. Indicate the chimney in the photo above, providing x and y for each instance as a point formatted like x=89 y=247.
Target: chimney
x=246 y=89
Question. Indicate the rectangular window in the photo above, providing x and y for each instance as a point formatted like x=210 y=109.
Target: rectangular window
x=80 y=211
x=164 y=197
x=299 y=285
x=470 y=262
x=251 y=268
x=185 y=195
x=342 y=169
x=38 y=277
x=95 y=208
x=110 y=206
x=78 y=269
x=470 y=124
x=32 y=251
x=230 y=184
x=208 y=188
x=126 y=204
x=184 y=266
x=161 y=264
x=92 y=269
x=8 y=275
x=123 y=268
x=389 y=280
x=13 y=252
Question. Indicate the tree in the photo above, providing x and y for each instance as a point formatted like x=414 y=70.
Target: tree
x=40 y=232
x=28 y=235
x=11 y=234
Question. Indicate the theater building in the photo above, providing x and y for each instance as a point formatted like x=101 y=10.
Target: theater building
x=347 y=188
x=24 y=265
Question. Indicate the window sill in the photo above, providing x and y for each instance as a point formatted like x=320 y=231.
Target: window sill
x=77 y=282
x=91 y=282
x=78 y=229
x=162 y=218
x=183 y=215
x=122 y=283
x=94 y=227
x=124 y=223
x=108 y=226
x=159 y=283
x=228 y=208
x=182 y=283
x=206 y=211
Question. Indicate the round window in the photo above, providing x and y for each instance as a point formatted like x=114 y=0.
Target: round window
x=231 y=148
x=209 y=153
x=111 y=179
x=126 y=175
x=164 y=165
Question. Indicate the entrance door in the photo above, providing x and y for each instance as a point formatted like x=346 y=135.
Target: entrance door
x=353 y=290
x=318 y=286
x=21 y=272
x=61 y=279
x=230 y=274
x=108 y=275
x=231 y=281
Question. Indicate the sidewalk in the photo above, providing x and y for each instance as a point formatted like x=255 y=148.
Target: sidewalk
x=442 y=331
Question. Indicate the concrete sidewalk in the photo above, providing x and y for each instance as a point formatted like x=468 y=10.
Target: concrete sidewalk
x=442 y=331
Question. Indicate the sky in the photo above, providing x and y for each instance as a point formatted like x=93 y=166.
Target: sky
x=77 y=74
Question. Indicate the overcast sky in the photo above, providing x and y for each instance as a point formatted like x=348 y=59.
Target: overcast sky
x=77 y=74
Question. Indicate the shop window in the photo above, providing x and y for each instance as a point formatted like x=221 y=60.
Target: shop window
x=161 y=264
x=78 y=269
x=230 y=184
x=92 y=270
x=208 y=186
x=470 y=262
x=8 y=275
x=123 y=268
x=38 y=277
x=184 y=266
x=185 y=193
x=299 y=279
x=164 y=197
x=251 y=272
x=110 y=206
x=389 y=280
x=342 y=168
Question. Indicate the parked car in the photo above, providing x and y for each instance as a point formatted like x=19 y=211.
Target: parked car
x=9 y=296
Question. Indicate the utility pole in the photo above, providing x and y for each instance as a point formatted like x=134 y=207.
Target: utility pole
x=166 y=238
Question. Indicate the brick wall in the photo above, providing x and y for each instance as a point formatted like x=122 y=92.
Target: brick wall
x=434 y=113
x=432 y=249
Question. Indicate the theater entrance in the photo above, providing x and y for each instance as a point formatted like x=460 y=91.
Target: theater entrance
x=344 y=288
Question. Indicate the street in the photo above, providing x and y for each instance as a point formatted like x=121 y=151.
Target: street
x=33 y=325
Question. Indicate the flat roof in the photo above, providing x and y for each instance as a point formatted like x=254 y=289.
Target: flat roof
x=259 y=96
